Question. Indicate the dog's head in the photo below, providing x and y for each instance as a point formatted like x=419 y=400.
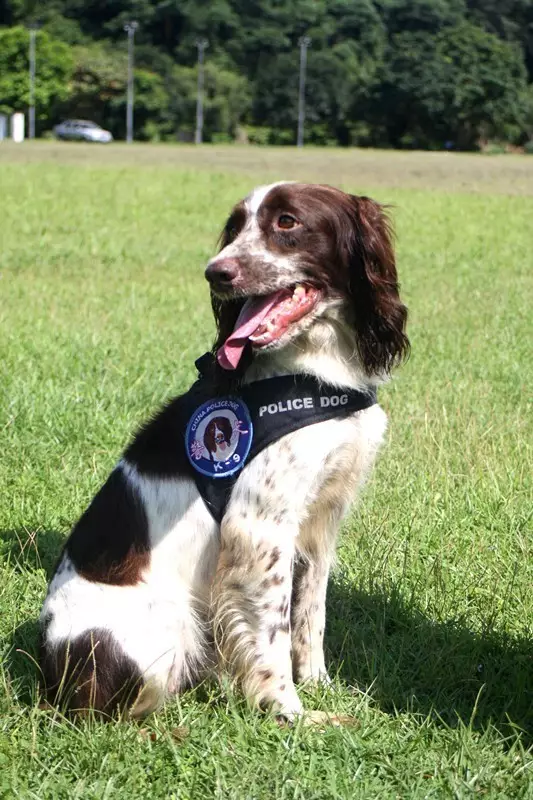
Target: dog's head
x=218 y=430
x=293 y=255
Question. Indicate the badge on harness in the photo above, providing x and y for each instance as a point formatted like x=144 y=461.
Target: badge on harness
x=219 y=436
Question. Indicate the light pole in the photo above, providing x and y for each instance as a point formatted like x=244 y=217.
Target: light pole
x=201 y=44
x=130 y=28
x=304 y=43
x=31 y=109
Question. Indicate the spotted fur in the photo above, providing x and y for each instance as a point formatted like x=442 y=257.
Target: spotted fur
x=150 y=593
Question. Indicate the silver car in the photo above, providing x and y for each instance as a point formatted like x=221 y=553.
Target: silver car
x=81 y=130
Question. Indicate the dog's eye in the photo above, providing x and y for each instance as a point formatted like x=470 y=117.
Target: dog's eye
x=286 y=222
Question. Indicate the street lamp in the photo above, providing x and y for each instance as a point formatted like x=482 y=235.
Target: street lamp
x=201 y=44
x=130 y=28
x=304 y=43
x=31 y=109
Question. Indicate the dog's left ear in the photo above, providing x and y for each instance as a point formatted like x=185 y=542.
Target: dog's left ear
x=224 y=312
x=380 y=316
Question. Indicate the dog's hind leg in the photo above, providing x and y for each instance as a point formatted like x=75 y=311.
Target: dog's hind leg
x=107 y=647
x=90 y=672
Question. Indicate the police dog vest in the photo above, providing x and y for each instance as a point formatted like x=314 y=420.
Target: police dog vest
x=223 y=433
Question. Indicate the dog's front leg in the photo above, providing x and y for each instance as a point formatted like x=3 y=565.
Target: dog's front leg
x=251 y=606
x=308 y=619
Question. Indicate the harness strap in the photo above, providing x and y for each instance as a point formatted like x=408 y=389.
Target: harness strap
x=277 y=406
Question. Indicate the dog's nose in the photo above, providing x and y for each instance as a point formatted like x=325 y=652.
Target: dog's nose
x=222 y=272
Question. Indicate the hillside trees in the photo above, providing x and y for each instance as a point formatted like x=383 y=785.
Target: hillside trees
x=463 y=86
x=404 y=73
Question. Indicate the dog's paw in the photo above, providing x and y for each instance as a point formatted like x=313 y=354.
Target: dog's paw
x=320 y=720
x=323 y=720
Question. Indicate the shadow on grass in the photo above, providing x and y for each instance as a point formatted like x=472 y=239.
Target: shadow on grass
x=411 y=663
x=22 y=663
x=28 y=552
x=32 y=551
x=375 y=640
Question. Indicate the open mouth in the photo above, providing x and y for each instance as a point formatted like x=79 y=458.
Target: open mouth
x=265 y=319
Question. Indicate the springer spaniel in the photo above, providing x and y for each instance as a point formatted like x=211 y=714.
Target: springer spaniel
x=151 y=592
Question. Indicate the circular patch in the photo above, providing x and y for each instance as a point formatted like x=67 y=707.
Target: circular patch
x=219 y=436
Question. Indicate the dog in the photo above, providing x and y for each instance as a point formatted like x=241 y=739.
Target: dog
x=153 y=591
x=217 y=438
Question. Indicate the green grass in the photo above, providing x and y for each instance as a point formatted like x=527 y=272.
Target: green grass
x=103 y=310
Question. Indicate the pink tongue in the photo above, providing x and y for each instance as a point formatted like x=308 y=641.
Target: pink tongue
x=252 y=315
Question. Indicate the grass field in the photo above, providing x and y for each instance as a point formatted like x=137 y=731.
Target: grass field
x=103 y=309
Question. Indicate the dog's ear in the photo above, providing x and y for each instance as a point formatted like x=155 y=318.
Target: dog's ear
x=380 y=316
x=226 y=236
x=227 y=428
x=209 y=438
x=234 y=224
x=225 y=314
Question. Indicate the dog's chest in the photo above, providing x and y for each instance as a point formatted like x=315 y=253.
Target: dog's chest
x=291 y=473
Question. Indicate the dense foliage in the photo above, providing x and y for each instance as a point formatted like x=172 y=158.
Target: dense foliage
x=404 y=73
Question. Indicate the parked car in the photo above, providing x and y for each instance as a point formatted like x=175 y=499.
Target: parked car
x=81 y=130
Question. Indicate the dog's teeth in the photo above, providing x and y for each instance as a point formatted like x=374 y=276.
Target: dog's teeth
x=299 y=292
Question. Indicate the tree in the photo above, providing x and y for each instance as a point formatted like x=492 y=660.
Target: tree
x=334 y=79
x=511 y=20
x=484 y=85
x=430 y=16
x=380 y=72
x=462 y=86
x=152 y=115
x=99 y=76
x=226 y=100
x=54 y=69
x=348 y=41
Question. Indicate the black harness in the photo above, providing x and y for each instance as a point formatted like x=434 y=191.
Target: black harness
x=240 y=425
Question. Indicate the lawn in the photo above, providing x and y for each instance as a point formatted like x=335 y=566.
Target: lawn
x=103 y=310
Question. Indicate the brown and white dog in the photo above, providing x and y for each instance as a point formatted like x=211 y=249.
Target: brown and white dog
x=150 y=591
